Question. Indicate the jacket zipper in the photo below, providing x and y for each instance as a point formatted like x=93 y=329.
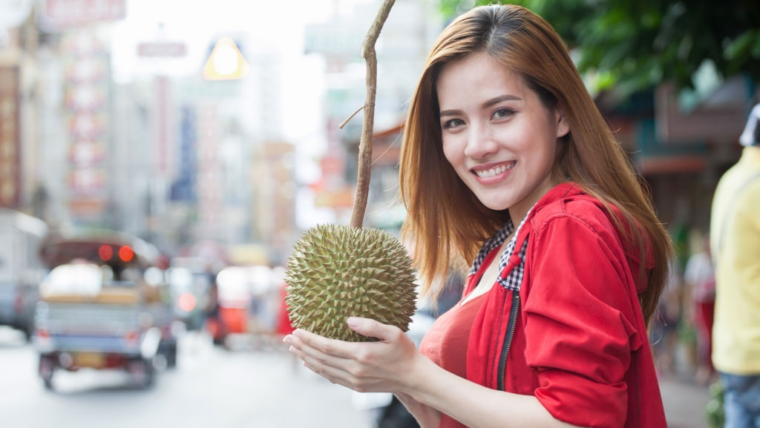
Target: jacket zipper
x=508 y=339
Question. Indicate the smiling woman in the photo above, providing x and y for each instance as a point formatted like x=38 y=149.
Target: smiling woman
x=503 y=147
x=508 y=166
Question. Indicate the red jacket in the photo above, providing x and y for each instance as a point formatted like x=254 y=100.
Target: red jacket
x=578 y=337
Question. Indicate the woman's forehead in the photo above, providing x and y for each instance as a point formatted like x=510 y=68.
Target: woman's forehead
x=475 y=77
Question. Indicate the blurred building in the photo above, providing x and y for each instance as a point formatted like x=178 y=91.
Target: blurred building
x=19 y=151
x=682 y=145
x=273 y=201
x=402 y=49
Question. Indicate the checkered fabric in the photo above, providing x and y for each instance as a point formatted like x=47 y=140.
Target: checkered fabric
x=514 y=279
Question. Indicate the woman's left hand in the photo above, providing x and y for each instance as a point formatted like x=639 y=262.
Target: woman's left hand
x=383 y=366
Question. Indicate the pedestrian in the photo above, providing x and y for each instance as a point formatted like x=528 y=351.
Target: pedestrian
x=699 y=277
x=507 y=164
x=735 y=244
x=664 y=331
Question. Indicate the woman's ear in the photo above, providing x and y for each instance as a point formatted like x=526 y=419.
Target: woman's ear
x=563 y=128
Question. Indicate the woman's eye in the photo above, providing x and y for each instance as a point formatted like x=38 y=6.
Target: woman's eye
x=453 y=123
x=502 y=113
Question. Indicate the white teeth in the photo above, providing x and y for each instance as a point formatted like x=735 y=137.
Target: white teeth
x=494 y=171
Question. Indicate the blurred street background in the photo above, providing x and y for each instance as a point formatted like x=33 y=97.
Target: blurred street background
x=158 y=160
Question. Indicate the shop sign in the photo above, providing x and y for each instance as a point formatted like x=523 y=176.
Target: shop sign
x=73 y=13
x=10 y=156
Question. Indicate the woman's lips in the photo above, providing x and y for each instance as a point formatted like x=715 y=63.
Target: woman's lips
x=489 y=174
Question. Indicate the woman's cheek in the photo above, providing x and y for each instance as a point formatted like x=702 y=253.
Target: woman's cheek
x=453 y=150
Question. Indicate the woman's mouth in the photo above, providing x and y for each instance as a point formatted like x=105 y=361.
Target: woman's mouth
x=494 y=171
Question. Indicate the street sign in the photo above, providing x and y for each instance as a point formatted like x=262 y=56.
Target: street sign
x=225 y=62
x=161 y=50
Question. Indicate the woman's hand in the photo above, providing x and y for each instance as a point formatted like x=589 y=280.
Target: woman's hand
x=383 y=366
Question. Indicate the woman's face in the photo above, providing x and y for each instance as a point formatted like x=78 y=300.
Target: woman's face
x=497 y=134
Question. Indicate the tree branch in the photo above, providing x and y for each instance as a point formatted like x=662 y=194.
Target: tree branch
x=365 y=144
x=342 y=124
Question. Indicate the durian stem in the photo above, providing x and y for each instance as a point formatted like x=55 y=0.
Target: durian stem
x=365 y=144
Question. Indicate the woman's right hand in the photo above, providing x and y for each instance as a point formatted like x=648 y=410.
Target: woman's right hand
x=426 y=416
x=388 y=365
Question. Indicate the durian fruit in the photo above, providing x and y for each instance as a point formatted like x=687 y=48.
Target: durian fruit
x=338 y=271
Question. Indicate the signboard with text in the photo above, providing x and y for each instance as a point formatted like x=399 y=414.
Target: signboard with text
x=161 y=50
x=10 y=150
x=85 y=96
x=59 y=14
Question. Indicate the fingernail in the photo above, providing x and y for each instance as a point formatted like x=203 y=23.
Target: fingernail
x=353 y=321
x=297 y=333
x=287 y=339
x=292 y=349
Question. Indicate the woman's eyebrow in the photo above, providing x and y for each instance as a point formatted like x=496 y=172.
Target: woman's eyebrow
x=499 y=99
x=486 y=104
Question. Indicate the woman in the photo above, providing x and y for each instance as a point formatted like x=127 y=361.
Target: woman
x=551 y=330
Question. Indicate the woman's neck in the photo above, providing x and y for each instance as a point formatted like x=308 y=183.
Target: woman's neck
x=518 y=211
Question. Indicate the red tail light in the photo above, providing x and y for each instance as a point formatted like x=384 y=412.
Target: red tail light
x=131 y=338
x=126 y=254
x=43 y=334
x=105 y=252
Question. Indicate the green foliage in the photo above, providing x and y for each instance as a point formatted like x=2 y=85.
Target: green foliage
x=640 y=43
x=686 y=333
x=714 y=411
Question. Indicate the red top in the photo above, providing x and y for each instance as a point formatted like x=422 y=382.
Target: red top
x=446 y=343
x=580 y=342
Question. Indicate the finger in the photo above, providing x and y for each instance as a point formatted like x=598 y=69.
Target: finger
x=347 y=371
x=371 y=328
x=337 y=348
x=313 y=354
x=342 y=377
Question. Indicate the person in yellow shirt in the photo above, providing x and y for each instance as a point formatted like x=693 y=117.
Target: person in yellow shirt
x=735 y=241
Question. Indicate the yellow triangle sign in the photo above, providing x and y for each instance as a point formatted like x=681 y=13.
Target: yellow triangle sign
x=225 y=62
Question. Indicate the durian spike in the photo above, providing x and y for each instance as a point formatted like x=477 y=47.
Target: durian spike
x=365 y=144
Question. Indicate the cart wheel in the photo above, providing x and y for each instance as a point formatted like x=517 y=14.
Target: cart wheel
x=171 y=357
x=46 y=370
x=143 y=372
x=28 y=333
x=150 y=374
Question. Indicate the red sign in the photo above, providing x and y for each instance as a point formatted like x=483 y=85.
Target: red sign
x=332 y=165
x=68 y=13
x=10 y=154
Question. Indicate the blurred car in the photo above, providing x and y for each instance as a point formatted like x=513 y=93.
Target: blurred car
x=190 y=282
x=97 y=311
x=243 y=301
x=21 y=270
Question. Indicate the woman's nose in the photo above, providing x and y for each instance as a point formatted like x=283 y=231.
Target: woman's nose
x=480 y=143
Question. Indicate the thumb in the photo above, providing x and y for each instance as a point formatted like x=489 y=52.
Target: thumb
x=370 y=328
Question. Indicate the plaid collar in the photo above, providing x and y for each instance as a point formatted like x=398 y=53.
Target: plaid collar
x=514 y=279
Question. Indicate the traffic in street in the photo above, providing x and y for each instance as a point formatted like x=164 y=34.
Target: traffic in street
x=210 y=387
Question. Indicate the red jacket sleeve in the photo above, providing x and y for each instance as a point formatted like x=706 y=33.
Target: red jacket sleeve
x=577 y=321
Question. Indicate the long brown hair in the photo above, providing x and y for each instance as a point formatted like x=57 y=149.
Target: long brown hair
x=445 y=222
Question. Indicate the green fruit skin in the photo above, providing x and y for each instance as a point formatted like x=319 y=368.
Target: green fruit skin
x=337 y=271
